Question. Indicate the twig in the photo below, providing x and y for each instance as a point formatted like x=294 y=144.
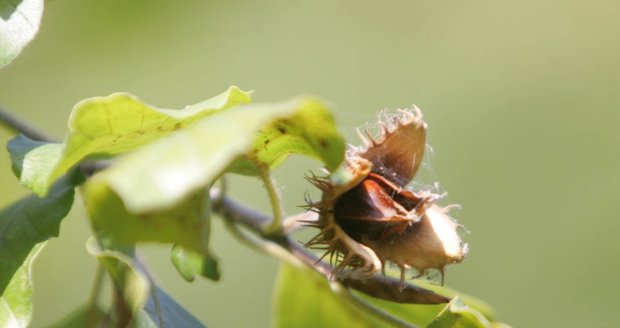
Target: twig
x=293 y=253
x=377 y=286
x=281 y=246
x=261 y=244
x=17 y=125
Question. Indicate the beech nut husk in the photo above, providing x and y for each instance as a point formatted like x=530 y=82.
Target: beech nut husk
x=367 y=214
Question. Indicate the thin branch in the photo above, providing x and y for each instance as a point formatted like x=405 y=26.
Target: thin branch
x=17 y=125
x=278 y=251
x=292 y=252
x=378 y=286
x=248 y=240
x=261 y=244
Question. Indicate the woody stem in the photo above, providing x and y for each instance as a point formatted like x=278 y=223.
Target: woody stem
x=290 y=252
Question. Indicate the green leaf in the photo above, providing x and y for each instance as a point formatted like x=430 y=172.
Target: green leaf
x=185 y=224
x=102 y=127
x=131 y=283
x=471 y=301
x=83 y=317
x=163 y=311
x=422 y=315
x=417 y=314
x=16 y=296
x=303 y=298
x=163 y=173
x=33 y=161
x=457 y=314
x=189 y=264
x=311 y=131
x=19 y=23
x=140 y=298
x=29 y=222
x=24 y=228
x=154 y=194
x=18 y=148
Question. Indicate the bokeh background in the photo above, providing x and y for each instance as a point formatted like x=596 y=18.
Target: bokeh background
x=522 y=100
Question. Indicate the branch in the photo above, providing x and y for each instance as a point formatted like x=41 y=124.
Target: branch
x=378 y=286
x=17 y=125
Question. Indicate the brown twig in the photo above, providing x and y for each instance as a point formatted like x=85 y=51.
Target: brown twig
x=378 y=286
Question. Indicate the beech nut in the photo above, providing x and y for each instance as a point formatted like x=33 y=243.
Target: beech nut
x=367 y=214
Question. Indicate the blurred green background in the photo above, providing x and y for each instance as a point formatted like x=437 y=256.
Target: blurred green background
x=522 y=100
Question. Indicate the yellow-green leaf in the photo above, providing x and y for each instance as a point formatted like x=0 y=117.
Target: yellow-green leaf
x=183 y=224
x=151 y=193
x=303 y=298
x=102 y=127
x=163 y=173
x=310 y=131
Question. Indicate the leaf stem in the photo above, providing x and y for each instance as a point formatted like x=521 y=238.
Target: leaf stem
x=205 y=216
x=275 y=226
x=93 y=299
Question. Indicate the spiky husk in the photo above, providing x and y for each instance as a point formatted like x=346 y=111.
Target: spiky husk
x=368 y=217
